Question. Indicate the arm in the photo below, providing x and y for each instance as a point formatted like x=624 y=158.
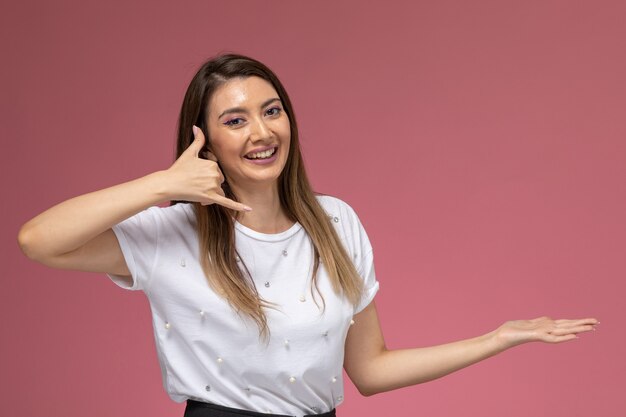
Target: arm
x=374 y=369
x=76 y=234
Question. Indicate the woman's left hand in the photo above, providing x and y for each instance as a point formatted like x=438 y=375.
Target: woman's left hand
x=542 y=329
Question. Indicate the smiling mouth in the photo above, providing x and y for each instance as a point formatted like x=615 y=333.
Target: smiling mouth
x=261 y=155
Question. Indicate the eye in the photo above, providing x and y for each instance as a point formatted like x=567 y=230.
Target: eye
x=274 y=111
x=234 y=122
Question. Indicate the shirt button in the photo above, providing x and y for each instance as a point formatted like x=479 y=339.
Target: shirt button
x=207 y=388
x=292 y=379
x=284 y=252
x=267 y=284
x=336 y=219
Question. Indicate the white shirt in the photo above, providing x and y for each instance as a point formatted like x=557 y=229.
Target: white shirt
x=206 y=351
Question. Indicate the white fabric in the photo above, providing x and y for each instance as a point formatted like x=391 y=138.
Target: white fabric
x=215 y=356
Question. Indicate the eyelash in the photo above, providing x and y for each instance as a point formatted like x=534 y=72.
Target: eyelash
x=230 y=122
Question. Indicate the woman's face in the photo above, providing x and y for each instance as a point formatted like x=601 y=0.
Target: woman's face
x=249 y=131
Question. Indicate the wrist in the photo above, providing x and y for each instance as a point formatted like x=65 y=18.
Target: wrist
x=499 y=340
x=511 y=334
x=158 y=185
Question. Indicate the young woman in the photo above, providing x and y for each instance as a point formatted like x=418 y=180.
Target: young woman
x=261 y=290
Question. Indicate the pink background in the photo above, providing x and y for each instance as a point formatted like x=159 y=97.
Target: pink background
x=481 y=143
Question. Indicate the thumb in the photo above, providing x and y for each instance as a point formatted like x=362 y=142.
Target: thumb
x=196 y=146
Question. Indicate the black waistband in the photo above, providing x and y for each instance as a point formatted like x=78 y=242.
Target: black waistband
x=200 y=409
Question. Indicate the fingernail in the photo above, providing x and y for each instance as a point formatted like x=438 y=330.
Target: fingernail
x=195 y=130
x=246 y=208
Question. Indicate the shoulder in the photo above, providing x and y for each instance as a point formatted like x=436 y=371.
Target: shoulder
x=334 y=206
x=339 y=211
x=346 y=222
x=180 y=213
x=175 y=210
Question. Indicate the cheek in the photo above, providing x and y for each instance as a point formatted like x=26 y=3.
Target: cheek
x=223 y=148
x=216 y=150
x=226 y=156
x=287 y=135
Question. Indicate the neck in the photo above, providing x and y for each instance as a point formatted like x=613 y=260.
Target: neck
x=267 y=215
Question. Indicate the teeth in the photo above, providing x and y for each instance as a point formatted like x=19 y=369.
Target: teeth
x=261 y=155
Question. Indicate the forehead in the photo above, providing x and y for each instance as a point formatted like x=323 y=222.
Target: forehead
x=248 y=92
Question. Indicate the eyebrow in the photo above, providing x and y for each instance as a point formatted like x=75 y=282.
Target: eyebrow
x=242 y=110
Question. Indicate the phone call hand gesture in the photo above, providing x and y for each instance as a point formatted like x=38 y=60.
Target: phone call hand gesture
x=199 y=180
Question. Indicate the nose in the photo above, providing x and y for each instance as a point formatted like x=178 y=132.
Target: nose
x=259 y=130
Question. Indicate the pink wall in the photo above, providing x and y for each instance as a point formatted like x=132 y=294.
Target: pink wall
x=482 y=144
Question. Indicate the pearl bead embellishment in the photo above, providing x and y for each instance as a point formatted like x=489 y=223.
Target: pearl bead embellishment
x=203 y=319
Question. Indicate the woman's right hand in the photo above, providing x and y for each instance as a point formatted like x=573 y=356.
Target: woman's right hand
x=56 y=239
x=199 y=180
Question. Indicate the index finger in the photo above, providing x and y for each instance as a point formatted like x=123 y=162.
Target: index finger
x=589 y=320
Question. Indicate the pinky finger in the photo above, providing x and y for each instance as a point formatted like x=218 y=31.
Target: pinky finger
x=227 y=202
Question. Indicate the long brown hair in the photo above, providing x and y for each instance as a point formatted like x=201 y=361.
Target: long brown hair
x=215 y=224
